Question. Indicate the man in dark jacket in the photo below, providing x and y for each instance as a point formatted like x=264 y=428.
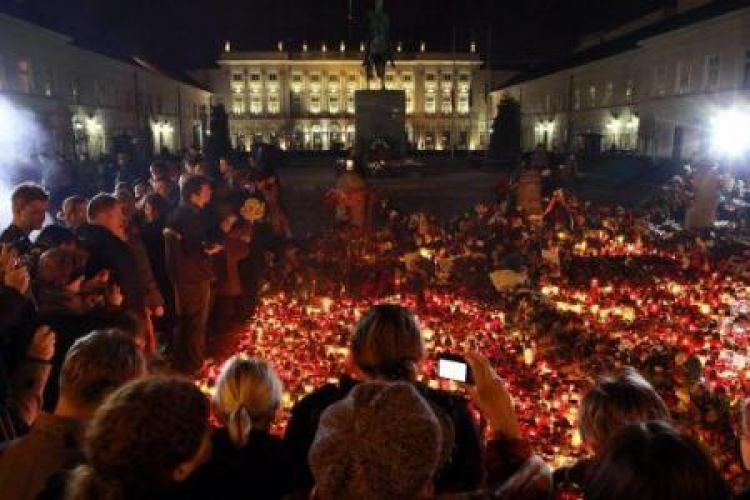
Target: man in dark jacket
x=29 y=205
x=105 y=239
x=189 y=247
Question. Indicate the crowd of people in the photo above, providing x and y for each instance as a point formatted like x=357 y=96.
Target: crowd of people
x=608 y=350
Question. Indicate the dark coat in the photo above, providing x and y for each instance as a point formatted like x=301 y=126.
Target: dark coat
x=189 y=231
x=258 y=470
x=107 y=251
x=463 y=472
x=15 y=237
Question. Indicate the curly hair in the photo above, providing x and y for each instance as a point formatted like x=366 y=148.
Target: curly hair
x=138 y=437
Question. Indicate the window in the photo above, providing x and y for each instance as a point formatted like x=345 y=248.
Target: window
x=746 y=79
x=577 y=99
x=297 y=78
x=315 y=78
x=660 y=81
x=333 y=79
x=296 y=82
x=273 y=77
x=238 y=105
x=407 y=78
x=592 y=96
x=273 y=104
x=713 y=69
x=24 y=76
x=430 y=77
x=630 y=90
x=429 y=104
x=352 y=78
x=49 y=83
x=255 y=77
x=237 y=77
x=409 y=102
x=547 y=103
x=447 y=77
x=350 y=104
x=609 y=90
x=315 y=104
x=256 y=105
x=447 y=106
x=684 y=71
x=333 y=105
x=464 y=77
x=463 y=104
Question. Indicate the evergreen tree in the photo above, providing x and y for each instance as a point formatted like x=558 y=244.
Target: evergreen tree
x=505 y=141
x=218 y=143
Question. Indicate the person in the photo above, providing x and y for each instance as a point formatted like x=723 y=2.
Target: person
x=128 y=172
x=245 y=402
x=387 y=344
x=189 y=249
x=384 y=440
x=654 y=461
x=145 y=440
x=105 y=238
x=154 y=211
x=29 y=204
x=614 y=401
x=381 y=441
x=95 y=366
x=72 y=214
x=743 y=433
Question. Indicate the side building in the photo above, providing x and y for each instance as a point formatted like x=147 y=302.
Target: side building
x=85 y=99
x=651 y=87
x=304 y=99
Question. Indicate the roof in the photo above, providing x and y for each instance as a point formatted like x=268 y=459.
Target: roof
x=632 y=40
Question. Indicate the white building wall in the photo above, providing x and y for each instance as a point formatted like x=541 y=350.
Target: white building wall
x=656 y=99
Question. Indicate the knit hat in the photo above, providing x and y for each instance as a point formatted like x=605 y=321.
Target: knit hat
x=383 y=441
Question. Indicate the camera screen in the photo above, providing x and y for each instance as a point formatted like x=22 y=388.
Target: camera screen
x=453 y=370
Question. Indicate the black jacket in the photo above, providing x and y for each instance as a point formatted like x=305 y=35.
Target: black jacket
x=15 y=237
x=107 y=251
x=189 y=232
x=258 y=470
x=463 y=471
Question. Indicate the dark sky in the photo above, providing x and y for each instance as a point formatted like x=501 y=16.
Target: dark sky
x=188 y=33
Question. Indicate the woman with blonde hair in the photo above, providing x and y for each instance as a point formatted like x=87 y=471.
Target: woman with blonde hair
x=247 y=461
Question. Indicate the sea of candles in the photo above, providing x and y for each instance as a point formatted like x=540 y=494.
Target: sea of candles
x=679 y=317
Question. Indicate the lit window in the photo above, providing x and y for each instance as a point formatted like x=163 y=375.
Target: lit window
x=49 y=84
x=256 y=105
x=238 y=106
x=463 y=104
x=315 y=104
x=630 y=90
x=273 y=104
x=429 y=104
x=577 y=99
x=447 y=106
x=350 y=104
x=333 y=105
x=409 y=102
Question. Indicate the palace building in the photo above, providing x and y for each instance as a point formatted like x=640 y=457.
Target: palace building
x=304 y=99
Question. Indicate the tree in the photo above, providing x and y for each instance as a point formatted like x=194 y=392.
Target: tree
x=505 y=141
x=218 y=143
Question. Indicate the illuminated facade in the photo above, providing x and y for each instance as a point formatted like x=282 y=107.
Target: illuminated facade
x=304 y=99
x=650 y=87
x=84 y=99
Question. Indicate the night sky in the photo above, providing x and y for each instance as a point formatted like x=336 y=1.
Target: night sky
x=182 y=34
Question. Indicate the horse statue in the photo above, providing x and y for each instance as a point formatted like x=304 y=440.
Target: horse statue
x=379 y=51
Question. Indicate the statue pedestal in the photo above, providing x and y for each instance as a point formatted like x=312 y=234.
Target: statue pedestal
x=702 y=211
x=380 y=115
x=529 y=193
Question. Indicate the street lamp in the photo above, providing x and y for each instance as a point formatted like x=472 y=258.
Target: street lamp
x=729 y=133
